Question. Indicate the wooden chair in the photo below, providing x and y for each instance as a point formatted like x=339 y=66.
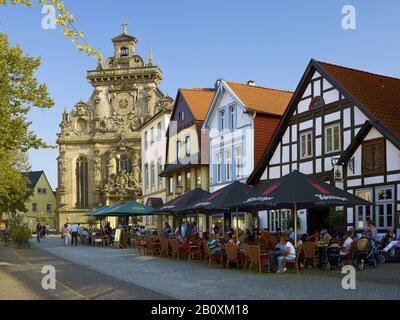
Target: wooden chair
x=164 y=247
x=176 y=249
x=256 y=259
x=232 y=254
x=295 y=262
x=309 y=253
x=208 y=256
x=246 y=257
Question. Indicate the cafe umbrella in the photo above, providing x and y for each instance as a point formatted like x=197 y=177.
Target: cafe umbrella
x=298 y=191
x=221 y=199
x=127 y=209
x=176 y=205
x=98 y=210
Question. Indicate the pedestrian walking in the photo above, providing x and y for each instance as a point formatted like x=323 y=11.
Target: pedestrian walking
x=38 y=231
x=47 y=230
x=74 y=234
x=65 y=234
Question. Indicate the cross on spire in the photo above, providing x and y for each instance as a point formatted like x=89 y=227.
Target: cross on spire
x=124 y=27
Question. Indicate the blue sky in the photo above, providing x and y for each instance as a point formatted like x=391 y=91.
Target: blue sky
x=197 y=42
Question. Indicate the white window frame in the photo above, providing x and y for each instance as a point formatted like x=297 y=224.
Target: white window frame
x=361 y=224
x=308 y=153
x=170 y=185
x=332 y=127
x=222 y=119
x=239 y=161
x=228 y=160
x=146 y=176
x=384 y=203
x=218 y=161
x=159 y=131
x=232 y=122
x=178 y=150
x=145 y=140
x=152 y=174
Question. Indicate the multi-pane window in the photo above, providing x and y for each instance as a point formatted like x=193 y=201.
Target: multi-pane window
x=82 y=185
x=160 y=169
x=187 y=146
x=277 y=220
x=35 y=207
x=222 y=120
x=232 y=117
x=151 y=135
x=42 y=191
x=181 y=115
x=187 y=181
x=170 y=185
x=332 y=138
x=228 y=160
x=385 y=207
x=179 y=184
x=49 y=208
x=152 y=174
x=364 y=213
x=198 y=177
x=239 y=161
x=145 y=140
x=218 y=161
x=306 y=144
x=146 y=176
x=373 y=156
x=124 y=164
x=159 y=131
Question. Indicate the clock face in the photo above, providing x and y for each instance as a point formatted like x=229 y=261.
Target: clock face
x=123 y=104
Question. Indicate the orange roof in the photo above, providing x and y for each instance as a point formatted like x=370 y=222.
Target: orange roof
x=379 y=94
x=198 y=100
x=261 y=99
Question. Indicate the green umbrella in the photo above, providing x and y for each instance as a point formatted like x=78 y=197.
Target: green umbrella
x=98 y=210
x=128 y=209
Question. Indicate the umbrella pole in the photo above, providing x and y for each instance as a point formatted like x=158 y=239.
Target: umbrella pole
x=295 y=224
x=237 y=224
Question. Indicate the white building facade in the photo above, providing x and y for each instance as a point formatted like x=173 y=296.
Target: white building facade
x=153 y=146
x=342 y=127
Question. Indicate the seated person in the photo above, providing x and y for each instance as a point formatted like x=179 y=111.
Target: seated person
x=388 y=237
x=289 y=254
x=303 y=239
x=85 y=236
x=279 y=250
x=179 y=236
x=291 y=233
x=155 y=237
x=345 y=250
x=216 y=249
x=325 y=236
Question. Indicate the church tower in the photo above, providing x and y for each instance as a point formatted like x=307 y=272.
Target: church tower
x=99 y=141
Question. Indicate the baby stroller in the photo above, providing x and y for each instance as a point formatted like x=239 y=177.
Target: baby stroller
x=365 y=253
x=332 y=257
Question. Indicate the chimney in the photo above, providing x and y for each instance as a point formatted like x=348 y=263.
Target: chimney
x=251 y=83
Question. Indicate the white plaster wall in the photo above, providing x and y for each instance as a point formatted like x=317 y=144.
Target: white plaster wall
x=331 y=96
x=332 y=117
x=276 y=158
x=347 y=118
x=359 y=116
x=306 y=167
x=392 y=156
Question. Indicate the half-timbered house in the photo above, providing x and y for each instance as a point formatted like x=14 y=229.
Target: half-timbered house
x=343 y=126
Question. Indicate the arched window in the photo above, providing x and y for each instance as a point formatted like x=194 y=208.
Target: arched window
x=124 y=52
x=124 y=163
x=82 y=192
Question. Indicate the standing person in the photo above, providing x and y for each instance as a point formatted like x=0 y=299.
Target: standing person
x=74 y=234
x=194 y=228
x=38 y=231
x=65 y=234
x=47 y=230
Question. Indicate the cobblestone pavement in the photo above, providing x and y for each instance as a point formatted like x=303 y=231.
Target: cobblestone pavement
x=21 y=279
x=194 y=280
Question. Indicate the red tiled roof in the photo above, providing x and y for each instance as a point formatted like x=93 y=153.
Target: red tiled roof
x=261 y=99
x=198 y=100
x=379 y=94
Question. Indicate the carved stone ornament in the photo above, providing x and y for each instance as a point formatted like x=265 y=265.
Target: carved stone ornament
x=123 y=104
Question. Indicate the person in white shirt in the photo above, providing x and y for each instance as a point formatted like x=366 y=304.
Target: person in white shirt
x=345 y=250
x=74 y=234
x=290 y=255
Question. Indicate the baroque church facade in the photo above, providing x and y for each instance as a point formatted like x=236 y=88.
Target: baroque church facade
x=99 y=159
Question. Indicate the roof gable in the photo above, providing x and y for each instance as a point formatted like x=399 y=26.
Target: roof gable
x=198 y=101
x=356 y=86
x=33 y=177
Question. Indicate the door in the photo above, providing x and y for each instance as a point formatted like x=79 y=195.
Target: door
x=317 y=219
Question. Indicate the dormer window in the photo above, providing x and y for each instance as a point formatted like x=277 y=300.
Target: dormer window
x=124 y=52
